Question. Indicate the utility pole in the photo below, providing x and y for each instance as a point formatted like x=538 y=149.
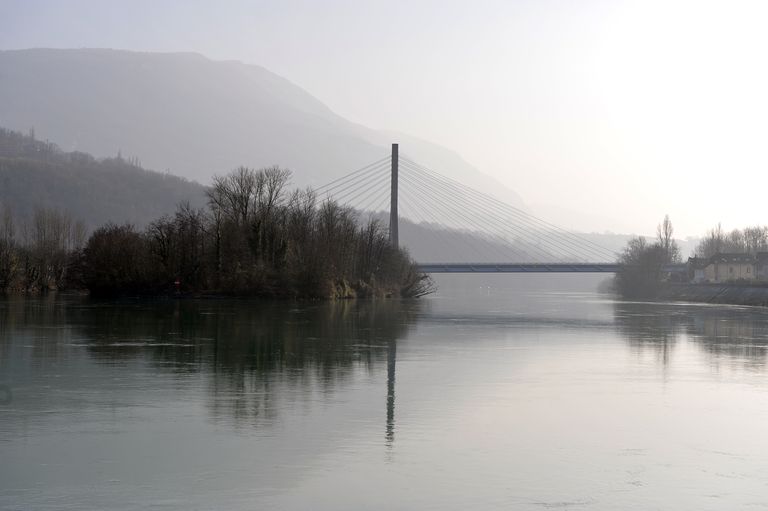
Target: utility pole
x=393 y=220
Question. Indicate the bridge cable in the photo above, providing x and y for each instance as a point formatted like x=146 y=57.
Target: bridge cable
x=341 y=187
x=380 y=206
x=408 y=217
x=574 y=240
x=517 y=244
x=349 y=197
x=376 y=163
x=520 y=232
x=348 y=189
x=528 y=229
x=476 y=225
x=558 y=242
x=597 y=249
x=378 y=199
x=372 y=196
x=437 y=232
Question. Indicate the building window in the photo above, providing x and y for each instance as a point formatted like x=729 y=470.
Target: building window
x=730 y=269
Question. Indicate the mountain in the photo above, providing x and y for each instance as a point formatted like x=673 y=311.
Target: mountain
x=194 y=117
x=35 y=174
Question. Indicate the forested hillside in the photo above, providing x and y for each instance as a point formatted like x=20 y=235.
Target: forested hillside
x=36 y=174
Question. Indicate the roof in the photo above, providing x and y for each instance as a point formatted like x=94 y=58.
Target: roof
x=741 y=258
x=698 y=262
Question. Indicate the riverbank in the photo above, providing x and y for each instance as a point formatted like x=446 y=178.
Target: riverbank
x=715 y=293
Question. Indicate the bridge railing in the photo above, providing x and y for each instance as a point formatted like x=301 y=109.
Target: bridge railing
x=518 y=267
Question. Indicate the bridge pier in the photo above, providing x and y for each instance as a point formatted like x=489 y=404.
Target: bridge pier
x=393 y=217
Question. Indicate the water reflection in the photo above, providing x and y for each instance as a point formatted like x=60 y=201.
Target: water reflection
x=391 y=360
x=523 y=400
x=734 y=334
x=6 y=396
x=253 y=356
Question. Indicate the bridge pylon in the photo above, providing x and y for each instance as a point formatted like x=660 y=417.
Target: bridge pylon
x=393 y=216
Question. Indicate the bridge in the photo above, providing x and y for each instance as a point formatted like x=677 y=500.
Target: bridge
x=518 y=267
x=449 y=227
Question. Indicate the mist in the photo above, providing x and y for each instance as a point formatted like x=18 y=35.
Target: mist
x=641 y=112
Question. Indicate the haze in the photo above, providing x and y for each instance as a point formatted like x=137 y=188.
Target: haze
x=603 y=116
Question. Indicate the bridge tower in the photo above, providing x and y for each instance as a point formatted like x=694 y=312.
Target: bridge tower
x=393 y=217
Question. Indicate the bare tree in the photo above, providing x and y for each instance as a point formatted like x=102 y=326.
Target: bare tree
x=713 y=243
x=755 y=239
x=664 y=235
x=275 y=180
x=749 y=240
x=235 y=193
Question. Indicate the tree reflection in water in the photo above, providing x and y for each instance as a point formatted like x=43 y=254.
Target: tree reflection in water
x=737 y=335
x=250 y=353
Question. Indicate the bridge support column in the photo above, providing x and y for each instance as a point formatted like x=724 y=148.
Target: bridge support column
x=393 y=217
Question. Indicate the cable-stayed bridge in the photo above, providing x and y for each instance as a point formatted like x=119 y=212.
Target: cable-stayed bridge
x=450 y=227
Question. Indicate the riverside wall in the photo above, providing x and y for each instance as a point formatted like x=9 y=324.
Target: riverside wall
x=734 y=294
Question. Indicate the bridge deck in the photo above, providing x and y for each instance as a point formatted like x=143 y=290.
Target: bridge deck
x=518 y=267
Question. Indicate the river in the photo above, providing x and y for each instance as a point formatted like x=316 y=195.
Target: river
x=499 y=392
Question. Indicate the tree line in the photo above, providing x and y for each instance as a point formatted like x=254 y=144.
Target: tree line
x=40 y=253
x=749 y=240
x=255 y=237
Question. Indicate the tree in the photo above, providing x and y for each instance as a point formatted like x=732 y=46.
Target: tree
x=750 y=240
x=116 y=262
x=639 y=273
x=50 y=240
x=178 y=246
x=234 y=193
x=755 y=239
x=713 y=243
x=669 y=247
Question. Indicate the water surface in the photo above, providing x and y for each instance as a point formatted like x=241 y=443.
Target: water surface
x=507 y=392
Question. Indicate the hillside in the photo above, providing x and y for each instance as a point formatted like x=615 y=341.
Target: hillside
x=195 y=117
x=38 y=174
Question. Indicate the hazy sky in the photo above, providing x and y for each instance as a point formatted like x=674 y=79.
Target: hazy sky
x=616 y=112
